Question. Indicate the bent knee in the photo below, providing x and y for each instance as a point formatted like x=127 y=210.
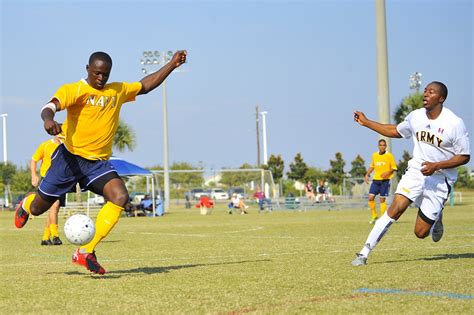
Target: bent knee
x=120 y=199
x=421 y=233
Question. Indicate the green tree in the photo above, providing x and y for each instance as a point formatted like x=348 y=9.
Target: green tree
x=408 y=104
x=336 y=172
x=186 y=180
x=314 y=174
x=234 y=179
x=276 y=165
x=464 y=178
x=403 y=164
x=7 y=172
x=124 y=137
x=358 y=167
x=298 y=168
x=21 y=181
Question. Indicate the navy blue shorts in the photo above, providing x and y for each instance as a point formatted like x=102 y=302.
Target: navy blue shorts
x=381 y=187
x=68 y=169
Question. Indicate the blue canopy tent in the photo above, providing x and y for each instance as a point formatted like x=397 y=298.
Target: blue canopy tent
x=125 y=168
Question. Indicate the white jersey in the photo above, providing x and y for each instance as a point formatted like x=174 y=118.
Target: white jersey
x=435 y=140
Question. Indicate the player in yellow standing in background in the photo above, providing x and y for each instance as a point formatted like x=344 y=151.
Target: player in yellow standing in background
x=383 y=163
x=43 y=155
x=93 y=109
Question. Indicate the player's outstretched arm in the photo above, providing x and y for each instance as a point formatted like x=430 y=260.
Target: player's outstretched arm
x=387 y=130
x=152 y=81
x=51 y=126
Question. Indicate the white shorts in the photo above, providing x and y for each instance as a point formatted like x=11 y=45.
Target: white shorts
x=429 y=193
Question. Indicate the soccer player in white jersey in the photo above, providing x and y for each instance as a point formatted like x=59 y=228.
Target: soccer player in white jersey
x=441 y=144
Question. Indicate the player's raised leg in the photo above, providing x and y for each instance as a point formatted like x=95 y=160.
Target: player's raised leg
x=33 y=204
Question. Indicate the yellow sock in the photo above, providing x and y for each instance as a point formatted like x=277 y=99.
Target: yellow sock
x=106 y=219
x=54 y=230
x=372 y=208
x=27 y=202
x=383 y=207
x=46 y=234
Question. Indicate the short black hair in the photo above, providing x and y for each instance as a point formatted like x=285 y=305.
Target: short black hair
x=100 y=55
x=383 y=140
x=443 y=88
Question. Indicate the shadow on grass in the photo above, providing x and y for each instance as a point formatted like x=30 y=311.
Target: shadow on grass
x=449 y=256
x=435 y=257
x=154 y=270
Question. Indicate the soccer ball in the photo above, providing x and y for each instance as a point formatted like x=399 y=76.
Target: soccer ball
x=79 y=229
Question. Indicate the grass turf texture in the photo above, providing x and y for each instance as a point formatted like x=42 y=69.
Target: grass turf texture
x=284 y=262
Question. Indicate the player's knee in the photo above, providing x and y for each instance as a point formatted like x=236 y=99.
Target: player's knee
x=36 y=209
x=421 y=233
x=121 y=198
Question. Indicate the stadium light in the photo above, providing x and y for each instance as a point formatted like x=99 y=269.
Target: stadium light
x=152 y=60
x=5 y=158
x=415 y=81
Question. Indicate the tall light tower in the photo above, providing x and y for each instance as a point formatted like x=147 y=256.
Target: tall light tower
x=382 y=65
x=264 y=136
x=149 y=62
x=5 y=158
x=415 y=81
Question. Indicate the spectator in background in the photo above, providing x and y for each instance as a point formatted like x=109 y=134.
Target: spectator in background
x=260 y=197
x=309 y=190
x=146 y=203
x=237 y=203
x=321 y=192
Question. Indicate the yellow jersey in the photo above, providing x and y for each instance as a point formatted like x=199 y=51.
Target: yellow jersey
x=382 y=163
x=93 y=116
x=43 y=153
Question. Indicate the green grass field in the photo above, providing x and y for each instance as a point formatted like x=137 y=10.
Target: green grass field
x=272 y=263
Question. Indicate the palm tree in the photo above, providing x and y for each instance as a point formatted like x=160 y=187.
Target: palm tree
x=124 y=137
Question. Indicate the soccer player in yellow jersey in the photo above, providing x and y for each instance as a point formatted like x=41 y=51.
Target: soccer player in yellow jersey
x=93 y=109
x=383 y=163
x=43 y=155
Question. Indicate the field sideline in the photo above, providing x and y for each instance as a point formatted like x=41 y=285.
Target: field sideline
x=283 y=262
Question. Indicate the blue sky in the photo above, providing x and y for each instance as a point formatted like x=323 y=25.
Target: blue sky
x=309 y=64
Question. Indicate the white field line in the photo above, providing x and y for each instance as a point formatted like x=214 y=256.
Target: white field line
x=195 y=260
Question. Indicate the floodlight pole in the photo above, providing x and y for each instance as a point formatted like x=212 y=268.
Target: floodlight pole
x=382 y=66
x=4 y=120
x=5 y=158
x=150 y=59
x=165 y=143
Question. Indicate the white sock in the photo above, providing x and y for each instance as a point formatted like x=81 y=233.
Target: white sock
x=378 y=231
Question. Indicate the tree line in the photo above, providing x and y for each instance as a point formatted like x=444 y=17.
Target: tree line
x=18 y=178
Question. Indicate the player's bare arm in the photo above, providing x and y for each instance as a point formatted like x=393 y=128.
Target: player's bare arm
x=34 y=175
x=152 y=81
x=51 y=126
x=431 y=167
x=366 y=177
x=388 y=130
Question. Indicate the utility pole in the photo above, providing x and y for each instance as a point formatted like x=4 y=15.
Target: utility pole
x=258 y=136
